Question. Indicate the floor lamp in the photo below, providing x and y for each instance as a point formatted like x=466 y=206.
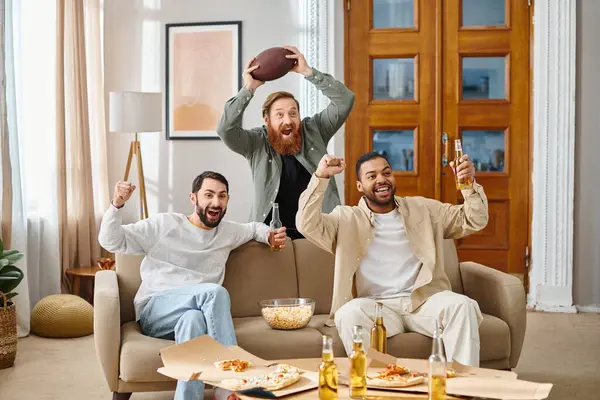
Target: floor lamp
x=136 y=112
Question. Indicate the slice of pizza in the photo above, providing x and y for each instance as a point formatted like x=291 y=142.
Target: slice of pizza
x=393 y=370
x=235 y=365
x=396 y=381
x=279 y=380
x=396 y=376
x=286 y=368
x=272 y=381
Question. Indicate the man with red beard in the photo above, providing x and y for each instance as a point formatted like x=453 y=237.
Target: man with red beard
x=285 y=152
x=181 y=296
x=389 y=249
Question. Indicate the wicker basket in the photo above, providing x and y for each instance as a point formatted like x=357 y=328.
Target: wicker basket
x=8 y=333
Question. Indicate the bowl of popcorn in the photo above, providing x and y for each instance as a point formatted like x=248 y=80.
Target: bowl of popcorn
x=287 y=314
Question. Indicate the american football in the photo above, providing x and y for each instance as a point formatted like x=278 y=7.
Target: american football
x=272 y=64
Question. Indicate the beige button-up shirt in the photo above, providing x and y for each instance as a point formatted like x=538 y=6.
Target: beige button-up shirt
x=348 y=231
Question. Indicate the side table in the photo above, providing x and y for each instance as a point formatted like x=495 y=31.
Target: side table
x=81 y=272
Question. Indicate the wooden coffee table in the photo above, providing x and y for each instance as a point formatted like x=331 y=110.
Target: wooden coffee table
x=312 y=364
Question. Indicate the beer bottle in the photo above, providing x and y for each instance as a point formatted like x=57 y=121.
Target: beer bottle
x=462 y=183
x=358 y=366
x=273 y=226
x=378 y=331
x=328 y=372
x=437 y=366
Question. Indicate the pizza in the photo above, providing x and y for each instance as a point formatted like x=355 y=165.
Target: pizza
x=232 y=365
x=393 y=370
x=270 y=381
x=286 y=368
x=395 y=376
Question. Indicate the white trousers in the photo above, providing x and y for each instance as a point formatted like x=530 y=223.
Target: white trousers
x=459 y=315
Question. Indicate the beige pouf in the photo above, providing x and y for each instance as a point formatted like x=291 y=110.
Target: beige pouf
x=62 y=316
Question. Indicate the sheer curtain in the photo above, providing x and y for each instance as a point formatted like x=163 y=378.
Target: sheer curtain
x=57 y=144
x=31 y=112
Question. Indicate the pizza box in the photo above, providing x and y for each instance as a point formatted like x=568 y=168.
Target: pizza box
x=194 y=360
x=469 y=381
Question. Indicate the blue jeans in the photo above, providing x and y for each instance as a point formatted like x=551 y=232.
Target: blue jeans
x=185 y=313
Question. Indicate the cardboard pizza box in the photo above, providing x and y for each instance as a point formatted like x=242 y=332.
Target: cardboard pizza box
x=194 y=360
x=469 y=381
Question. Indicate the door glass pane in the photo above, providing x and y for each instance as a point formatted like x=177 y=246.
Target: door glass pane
x=397 y=146
x=483 y=13
x=483 y=77
x=393 y=13
x=393 y=78
x=485 y=148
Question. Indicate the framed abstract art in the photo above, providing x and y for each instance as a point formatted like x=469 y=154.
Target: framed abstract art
x=203 y=70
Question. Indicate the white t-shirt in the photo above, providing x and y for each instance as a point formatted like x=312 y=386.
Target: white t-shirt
x=390 y=267
x=177 y=252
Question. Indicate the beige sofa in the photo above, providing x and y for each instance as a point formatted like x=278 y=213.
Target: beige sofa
x=130 y=360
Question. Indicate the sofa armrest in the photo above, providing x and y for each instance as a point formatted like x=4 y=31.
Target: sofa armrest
x=107 y=325
x=501 y=295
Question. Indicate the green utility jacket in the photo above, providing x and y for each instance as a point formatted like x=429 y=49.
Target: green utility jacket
x=265 y=162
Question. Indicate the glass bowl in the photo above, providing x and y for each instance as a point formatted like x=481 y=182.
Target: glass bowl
x=287 y=314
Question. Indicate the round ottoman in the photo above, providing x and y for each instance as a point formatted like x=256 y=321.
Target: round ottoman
x=62 y=316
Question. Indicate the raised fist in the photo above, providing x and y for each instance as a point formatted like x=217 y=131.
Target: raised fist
x=123 y=191
x=330 y=166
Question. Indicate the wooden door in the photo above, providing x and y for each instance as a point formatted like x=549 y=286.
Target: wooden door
x=390 y=62
x=471 y=81
x=486 y=104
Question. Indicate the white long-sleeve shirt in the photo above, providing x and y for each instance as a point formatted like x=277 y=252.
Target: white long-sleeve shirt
x=177 y=252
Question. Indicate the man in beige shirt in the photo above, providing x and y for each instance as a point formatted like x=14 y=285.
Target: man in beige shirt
x=389 y=249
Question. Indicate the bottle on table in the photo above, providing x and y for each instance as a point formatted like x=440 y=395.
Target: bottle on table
x=273 y=226
x=378 y=331
x=328 y=372
x=462 y=183
x=437 y=366
x=358 y=366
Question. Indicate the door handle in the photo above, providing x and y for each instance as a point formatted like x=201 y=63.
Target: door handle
x=446 y=144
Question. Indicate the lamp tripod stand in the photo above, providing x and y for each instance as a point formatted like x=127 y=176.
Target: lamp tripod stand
x=135 y=150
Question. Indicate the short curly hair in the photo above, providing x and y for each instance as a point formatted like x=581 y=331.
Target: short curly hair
x=368 y=157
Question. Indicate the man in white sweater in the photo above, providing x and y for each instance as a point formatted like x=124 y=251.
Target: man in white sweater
x=181 y=296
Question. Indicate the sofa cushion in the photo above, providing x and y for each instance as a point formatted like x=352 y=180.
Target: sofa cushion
x=254 y=335
x=318 y=322
x=315 y=274
x=140 y=355
x=255 y=273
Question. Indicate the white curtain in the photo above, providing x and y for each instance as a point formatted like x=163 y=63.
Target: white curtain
x=30 y=75
x=32 y=104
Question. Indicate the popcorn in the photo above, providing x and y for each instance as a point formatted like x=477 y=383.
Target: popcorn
x=285 y=317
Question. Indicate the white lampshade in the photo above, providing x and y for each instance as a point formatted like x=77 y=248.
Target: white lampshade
x=133 y=112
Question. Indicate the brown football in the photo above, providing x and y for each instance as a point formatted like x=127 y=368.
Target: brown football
x=273 y=64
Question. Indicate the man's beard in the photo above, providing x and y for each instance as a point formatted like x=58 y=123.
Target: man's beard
x=286 y=146
x=203 y=215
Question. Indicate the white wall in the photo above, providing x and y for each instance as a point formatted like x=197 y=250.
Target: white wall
x=134 y=59
x=586 y=259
